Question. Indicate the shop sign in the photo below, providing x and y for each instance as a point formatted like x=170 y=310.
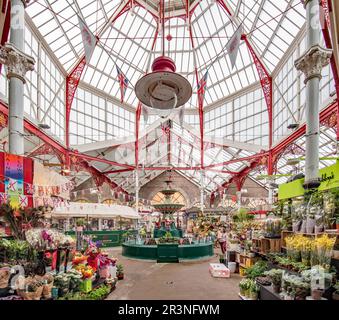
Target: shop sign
x=329 y=178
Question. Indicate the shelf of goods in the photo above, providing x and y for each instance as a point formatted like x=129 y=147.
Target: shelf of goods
x=267 y=245
x=286 y=233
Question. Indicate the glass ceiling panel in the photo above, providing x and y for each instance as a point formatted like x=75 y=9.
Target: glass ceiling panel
x=272 y=26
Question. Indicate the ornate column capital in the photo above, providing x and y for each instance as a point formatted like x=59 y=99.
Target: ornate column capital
x=312 y=62
x=305 y=2
x=16 y=61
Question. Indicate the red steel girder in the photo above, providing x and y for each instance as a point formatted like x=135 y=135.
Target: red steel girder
x=72 y=82
x=48 y=149
x=58 y=147
x=73 y=78
x=266 y=84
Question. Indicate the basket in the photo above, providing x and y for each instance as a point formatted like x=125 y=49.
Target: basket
x=5 y=274
x=36 y=295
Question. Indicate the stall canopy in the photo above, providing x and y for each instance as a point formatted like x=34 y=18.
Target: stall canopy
x=95 y=210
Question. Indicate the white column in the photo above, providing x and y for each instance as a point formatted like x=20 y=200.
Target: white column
x=311 y=64
x=100 y=224
x=239 y=199
x=202 y=191
x=136 y=191
x=18 y=63
x=270 y=195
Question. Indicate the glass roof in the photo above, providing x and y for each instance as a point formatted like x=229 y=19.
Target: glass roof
x=234 y=103
x=128 y=41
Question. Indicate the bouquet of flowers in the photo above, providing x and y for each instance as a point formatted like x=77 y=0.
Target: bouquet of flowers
x=323 y=248
x=47 y=239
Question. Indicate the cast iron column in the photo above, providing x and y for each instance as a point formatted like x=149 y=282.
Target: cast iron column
x=17 y=63
x=311 y=64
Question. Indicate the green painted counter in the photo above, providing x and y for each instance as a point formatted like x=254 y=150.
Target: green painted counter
x=167 y=252
x=109 y=238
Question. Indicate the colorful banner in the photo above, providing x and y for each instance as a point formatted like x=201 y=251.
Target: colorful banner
x=16 y=173
x=14 y=184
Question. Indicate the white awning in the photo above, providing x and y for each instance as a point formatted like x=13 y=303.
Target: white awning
x=95 y=210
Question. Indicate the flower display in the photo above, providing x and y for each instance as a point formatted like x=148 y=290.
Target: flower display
x=310 y=251
x=79 y=258
x=86 y=271
x=42 y=239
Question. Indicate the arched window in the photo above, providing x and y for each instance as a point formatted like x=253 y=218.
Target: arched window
x=176 y=198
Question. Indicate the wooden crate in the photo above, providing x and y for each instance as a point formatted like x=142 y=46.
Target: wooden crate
x=270 y=245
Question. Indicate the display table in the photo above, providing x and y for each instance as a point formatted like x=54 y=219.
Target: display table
x=170 y=252
x=111 y=238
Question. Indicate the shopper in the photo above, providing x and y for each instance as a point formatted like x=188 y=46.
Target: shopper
x=222 y=239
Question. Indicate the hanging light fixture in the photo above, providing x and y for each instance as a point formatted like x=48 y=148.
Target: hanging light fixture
x=163 y=88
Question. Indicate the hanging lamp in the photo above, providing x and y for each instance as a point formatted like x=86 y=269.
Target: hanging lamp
x=163 y=88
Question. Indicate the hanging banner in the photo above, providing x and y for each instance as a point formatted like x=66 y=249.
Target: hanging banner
x=14 y=184
x=88 y=40
x=233 y=46
x=18 y=174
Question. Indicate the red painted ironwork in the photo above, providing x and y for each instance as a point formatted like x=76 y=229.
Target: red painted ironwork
x=48 y=149
x=201 y=92
x=225 y=7
x=59 y=148
x=72 y=82
x=266 y=84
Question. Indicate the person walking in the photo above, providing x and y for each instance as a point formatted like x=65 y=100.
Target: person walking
x=222 y=239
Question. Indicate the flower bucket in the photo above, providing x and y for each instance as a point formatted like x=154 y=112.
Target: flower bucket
x=86 y=285
x=104 y=272
x=296 y=226
x=232 y=266
x=310 y=224
x=318 y=229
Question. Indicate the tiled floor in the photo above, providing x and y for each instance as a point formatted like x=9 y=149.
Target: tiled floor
x=182 y=281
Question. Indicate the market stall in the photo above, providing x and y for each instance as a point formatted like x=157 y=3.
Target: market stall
x=106 y=223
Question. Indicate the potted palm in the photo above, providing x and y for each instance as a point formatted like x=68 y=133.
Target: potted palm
x=120 y=272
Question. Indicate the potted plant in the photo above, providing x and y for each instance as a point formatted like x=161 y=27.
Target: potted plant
x=276 y=276
x=243 y=287
x=335 y=294
x=253 y=290
x=120 y=272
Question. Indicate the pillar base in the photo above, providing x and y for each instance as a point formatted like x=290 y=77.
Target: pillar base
x=311 y=184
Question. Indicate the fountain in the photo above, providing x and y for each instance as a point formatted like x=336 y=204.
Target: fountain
x=168 y=244
x=167 y=208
